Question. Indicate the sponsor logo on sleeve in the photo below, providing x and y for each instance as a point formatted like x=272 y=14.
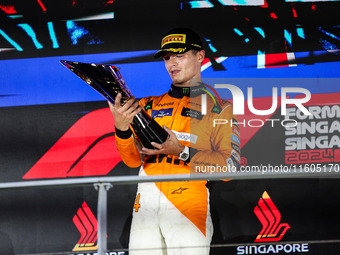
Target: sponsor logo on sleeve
x=236 y=131
x=236 y=148
x=186 y=137
x=236 y=155
x=235 y=123
x=235 y=163
x=235 y=139
x=230 y=162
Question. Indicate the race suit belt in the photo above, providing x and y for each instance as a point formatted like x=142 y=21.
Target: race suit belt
x=160 y=157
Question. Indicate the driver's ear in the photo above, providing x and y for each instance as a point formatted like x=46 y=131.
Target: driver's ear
x=201 y=55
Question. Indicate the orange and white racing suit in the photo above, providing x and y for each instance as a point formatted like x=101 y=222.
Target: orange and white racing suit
x=174 y=217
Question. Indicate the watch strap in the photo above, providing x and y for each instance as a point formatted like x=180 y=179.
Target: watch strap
x=185 y=154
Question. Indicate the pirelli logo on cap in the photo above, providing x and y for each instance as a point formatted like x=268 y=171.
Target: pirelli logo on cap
x=174 y=38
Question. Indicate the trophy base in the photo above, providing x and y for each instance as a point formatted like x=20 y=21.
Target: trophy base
x=152 y=132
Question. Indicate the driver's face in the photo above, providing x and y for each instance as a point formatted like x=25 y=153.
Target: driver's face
x=184 y=67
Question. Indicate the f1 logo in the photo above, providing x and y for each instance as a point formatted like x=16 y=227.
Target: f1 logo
x=270 y=218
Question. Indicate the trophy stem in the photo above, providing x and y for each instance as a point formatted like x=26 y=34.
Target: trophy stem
x=148 y=130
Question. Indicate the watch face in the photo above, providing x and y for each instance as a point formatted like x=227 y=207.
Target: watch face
x=184 y=156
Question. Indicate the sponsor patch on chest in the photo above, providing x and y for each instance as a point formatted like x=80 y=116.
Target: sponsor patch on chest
x=187 y=112
x=161 y=113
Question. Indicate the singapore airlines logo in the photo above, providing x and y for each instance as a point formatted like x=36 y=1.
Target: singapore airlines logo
x=87 y=224
x=272 y=231
x=270 y=218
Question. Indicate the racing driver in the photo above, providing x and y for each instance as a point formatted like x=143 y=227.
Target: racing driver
x=173 y=217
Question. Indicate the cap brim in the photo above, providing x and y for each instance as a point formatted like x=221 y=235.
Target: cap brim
x=159 y=54
x=172 y=50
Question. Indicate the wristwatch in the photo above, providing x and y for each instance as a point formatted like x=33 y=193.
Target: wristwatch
x=184 y=154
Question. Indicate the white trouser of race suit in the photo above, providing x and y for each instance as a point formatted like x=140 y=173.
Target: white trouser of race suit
x=159 y=228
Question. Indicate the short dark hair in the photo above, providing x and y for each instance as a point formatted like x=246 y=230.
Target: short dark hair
x=194 y=52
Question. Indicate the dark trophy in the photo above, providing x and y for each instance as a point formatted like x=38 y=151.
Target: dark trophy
x=107 y=80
